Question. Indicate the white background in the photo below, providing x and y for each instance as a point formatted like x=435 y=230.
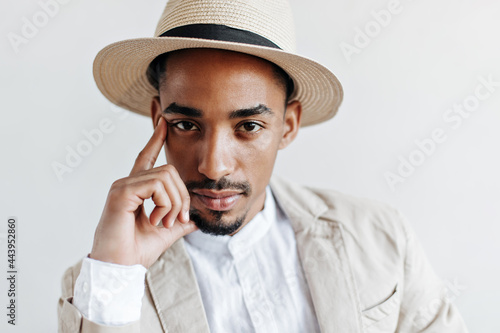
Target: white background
x=397 y=90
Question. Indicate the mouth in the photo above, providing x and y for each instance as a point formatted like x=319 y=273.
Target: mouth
x=217 y=200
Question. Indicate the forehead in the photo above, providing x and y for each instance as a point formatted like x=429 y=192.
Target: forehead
x=209 y=78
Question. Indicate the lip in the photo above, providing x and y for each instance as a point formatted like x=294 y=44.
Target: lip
x=216 y=194
x=217 y=200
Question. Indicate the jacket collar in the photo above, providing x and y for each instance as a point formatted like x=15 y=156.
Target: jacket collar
x=322 y=252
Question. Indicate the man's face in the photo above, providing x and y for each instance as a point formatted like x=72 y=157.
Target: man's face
x=226 y=122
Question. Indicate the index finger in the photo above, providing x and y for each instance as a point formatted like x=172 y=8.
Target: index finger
x=147 y=157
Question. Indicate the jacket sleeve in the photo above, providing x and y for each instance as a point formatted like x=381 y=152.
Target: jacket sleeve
x=70 y=320
x=426 y=304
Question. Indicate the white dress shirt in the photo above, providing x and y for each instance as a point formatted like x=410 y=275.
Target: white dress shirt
x=250 y=282
x=253 y=281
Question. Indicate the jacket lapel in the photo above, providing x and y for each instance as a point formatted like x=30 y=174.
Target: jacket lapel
x=323 y=257
x=176 y=296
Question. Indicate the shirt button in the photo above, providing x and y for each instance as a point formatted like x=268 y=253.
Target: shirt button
x=85 y=287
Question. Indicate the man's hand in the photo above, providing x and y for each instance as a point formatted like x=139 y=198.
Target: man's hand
x=125 y=235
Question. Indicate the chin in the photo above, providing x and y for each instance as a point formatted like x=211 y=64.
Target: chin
x=216 y=223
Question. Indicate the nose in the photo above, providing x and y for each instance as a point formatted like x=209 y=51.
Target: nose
x=216 y=160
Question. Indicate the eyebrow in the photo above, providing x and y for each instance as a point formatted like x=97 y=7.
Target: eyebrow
x=183 y=110
x=260 y=109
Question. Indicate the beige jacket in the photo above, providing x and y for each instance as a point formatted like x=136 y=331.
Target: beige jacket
x=364 y=266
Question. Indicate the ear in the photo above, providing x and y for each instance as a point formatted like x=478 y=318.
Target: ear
x=291 y=123
x=155 y=110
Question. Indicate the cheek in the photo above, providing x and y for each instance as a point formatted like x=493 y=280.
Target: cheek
x=258 y=156
x=180 y=154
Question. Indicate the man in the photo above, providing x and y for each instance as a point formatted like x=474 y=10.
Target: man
x=228 y=247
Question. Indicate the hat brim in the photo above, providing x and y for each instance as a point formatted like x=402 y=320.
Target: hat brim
x=120 y=73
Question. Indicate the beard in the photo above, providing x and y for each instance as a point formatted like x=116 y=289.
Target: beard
x=216 y=225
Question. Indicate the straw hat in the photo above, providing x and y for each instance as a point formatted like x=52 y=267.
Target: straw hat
x=263 y=28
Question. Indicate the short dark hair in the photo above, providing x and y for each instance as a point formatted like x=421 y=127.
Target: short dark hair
x=157 y=68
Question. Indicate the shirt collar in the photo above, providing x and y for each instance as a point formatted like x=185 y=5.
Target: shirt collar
x=245 y=238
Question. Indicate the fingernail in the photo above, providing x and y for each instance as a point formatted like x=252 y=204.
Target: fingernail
x=158 y=123
x=186 y=216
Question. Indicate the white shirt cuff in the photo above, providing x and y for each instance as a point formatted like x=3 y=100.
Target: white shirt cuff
x=109 y=294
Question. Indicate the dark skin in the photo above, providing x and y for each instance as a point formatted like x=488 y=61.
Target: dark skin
x=224 y=123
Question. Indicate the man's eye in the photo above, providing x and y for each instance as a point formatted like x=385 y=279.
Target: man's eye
x=250 y=127
x=186 y=126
